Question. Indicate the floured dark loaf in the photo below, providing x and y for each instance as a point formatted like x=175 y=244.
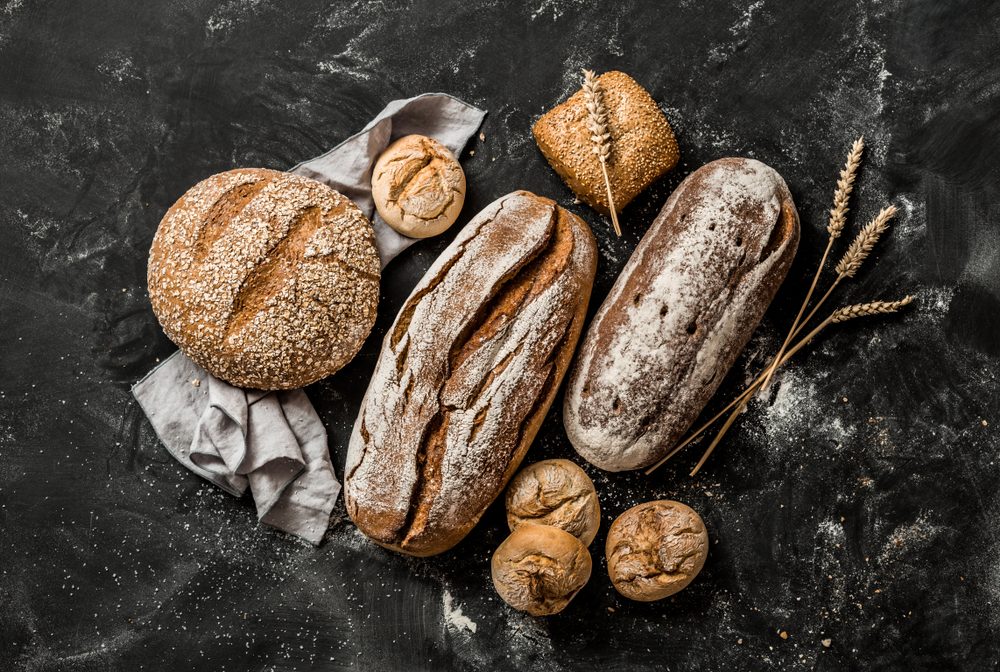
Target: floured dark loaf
x=467 y=372
x=679 y=314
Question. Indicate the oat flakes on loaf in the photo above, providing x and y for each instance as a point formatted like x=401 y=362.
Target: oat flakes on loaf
x=265 y=279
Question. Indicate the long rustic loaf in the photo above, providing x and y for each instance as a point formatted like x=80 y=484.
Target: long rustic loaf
x=467 y=373
x=679 y=314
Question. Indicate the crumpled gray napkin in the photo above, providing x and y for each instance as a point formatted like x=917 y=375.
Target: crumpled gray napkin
x=274 y=442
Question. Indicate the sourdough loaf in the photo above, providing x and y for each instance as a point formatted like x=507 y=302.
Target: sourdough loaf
x=266 y=279
x=679 y=314
x=467 y=373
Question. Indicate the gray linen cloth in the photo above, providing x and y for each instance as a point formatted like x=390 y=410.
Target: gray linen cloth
x=274 y=443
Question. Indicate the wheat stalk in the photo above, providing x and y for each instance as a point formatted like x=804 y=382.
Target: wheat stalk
x=856 y=254
x=845 y=185
x=838 y=218
x=597 y=124
x=865 y=309
x=862 y=245
x=840 y=315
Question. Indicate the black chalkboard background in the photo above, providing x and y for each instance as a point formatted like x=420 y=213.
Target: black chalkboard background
x=856 y=504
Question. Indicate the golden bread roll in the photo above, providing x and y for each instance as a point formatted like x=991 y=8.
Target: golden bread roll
x=655 y=549
x=557 y=493
x=539 y=569
x=418 y=186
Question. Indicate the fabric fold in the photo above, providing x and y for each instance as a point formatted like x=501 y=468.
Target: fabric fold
x=274 y=443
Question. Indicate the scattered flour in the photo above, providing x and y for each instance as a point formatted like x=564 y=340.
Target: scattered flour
x=453 y=616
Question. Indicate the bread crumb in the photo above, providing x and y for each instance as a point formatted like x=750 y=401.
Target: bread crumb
x=826 y=643
x=783 y=634
x=196 y=382
x=984 y=423
x=482 y=137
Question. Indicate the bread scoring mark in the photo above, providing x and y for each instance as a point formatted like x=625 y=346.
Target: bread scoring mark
x=222 y=213
x=505 y=299
x=473 y=424
x=263 y=283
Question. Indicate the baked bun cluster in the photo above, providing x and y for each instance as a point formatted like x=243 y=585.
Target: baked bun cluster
x=553 y=513
x=418 y=186
x=265 y=279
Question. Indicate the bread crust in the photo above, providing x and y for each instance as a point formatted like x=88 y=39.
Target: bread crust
x=557 y=493
x=655 y=550
x=539 y=569
x=643 y=146
x=467 y=373
x=418 y=186
x=679 y=313
x=265 y=279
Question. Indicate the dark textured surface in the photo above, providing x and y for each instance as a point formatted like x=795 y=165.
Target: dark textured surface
x=857 y=503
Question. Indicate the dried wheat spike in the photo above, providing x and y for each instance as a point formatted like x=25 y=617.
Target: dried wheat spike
x=862 y=245
x=842 y=194
x=865 y=309
x=597 y=116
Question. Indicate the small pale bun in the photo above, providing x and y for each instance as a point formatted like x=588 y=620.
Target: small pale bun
x=418 y=186
x=655 y=550
x=539 y=569
x=557 y=493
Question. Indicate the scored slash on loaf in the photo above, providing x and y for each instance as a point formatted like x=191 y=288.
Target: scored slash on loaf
x=265 y=279
x=467 y=373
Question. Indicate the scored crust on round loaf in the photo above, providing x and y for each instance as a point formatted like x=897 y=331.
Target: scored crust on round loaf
x=266 y=279
x=679 y=313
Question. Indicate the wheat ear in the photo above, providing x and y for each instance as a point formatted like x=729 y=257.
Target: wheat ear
x=850 y=263
x=600 y=136
x=839 y=315
x=838 y=219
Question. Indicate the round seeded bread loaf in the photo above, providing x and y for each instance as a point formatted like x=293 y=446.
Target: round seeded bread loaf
x=266 y=279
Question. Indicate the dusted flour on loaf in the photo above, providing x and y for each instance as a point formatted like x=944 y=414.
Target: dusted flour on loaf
x=680 y=313
x=467 y=373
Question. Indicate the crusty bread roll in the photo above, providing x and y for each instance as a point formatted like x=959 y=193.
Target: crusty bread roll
x=557 y=493
x=265 y=279
x=418 y=186
x=642 y=143
x=467 y=373
x=679 y=314
x=539 y=569
x=655 y=549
